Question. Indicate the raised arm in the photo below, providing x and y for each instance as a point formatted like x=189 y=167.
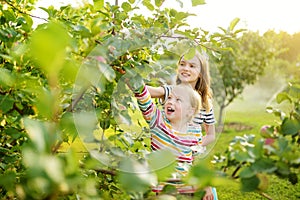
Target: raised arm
x=156 y=92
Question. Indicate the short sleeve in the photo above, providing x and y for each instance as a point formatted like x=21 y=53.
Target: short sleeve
x=205 y=117
x=168 y=90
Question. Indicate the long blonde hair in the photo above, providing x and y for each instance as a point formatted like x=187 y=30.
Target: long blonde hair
x=203 y=83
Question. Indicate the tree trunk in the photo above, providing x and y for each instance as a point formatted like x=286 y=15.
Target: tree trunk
x=220 y=120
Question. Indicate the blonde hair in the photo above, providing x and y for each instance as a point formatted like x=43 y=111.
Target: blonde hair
x=195 y=98
x=203 y=83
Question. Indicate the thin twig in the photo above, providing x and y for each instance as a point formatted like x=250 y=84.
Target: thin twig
x=265 y=195
x=195 y=40
x=22 y=12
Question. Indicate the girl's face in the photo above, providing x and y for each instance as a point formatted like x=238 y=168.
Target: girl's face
x=178 y=106
x=189 y=70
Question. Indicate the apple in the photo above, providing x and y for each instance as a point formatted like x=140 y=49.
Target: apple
x=269 y=141
x=264 y=131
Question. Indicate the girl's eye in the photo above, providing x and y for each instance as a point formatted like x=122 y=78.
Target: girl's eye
x=192 y=66
x=179 y=100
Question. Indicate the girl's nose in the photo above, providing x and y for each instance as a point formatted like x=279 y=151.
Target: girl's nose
x=184 y=67
x=170 y=101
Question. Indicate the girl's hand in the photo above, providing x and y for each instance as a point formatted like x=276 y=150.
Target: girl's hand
x=133 y=80
x=209 y=195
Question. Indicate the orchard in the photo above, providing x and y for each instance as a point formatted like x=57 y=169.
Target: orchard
x=69 y=125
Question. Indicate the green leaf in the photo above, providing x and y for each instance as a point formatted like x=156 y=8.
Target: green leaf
x=9 y=15
x=123 y=117
x=98 y=4
x=104 y=123
x=26 y=26
x=250 y=184
x=66 y=124
x=6 y=77
x=233 y=23
x=294 y=91
x=126 y=6
x=7 y=180
x=107 y=71
x=6 y=103
x=243 y=157
x=53 y=168
x=247 y=172
x=89 y=73
x=148 y=5
x=135 y=176
x=42 y=134
x=256 y=151
x=104 y=158
x=198 y=2
x=48 y=49
x=290 y=126
x=85 y=123
x=283 y=168
x=46 y=104
x=200 y=174
x=264 y=165
x=181 y=15
x=82 y=30
x=282 y=97
x=190 y=54
x=158 y=3
x=283 y=145
x=162 y=167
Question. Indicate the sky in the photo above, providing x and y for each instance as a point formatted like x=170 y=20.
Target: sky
x=256 y=15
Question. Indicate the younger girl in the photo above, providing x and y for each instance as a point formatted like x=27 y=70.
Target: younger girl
x=173 y=129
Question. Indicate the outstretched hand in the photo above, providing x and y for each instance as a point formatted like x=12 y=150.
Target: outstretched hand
x=133 y=80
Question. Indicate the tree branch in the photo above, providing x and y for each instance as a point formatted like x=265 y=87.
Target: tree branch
x=183 y=37
x=22 y=12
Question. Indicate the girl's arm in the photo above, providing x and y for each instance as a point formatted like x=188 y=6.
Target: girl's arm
x=210 y=134
x=146 y=105
x=156 y=92
x=142 y=94
x=161 y=92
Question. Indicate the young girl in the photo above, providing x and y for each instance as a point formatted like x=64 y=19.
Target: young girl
x=196 y=73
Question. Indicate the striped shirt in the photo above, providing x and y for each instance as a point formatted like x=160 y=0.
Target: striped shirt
x=163 y=136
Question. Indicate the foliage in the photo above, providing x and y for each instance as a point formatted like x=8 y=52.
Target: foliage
x=275 y=152
x=242 y=60
x=60 y=81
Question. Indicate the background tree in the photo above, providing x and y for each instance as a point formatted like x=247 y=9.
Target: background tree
x=243 y=59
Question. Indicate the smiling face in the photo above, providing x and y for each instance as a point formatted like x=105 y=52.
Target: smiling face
x=189 y=70
x=181 y=104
